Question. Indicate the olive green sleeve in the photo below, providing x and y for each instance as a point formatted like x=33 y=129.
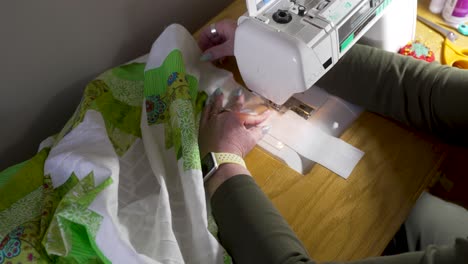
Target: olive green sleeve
x=431 y=97
x=250 y=227
x=428 y=96
x=253 y=231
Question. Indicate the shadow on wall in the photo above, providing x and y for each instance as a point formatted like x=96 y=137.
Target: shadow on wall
x=51 y=49
x=59 y=107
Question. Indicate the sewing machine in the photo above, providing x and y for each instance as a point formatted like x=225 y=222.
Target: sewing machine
x=283 y=47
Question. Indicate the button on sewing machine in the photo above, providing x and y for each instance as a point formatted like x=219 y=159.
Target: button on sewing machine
x=301 y=10
x=282 y=16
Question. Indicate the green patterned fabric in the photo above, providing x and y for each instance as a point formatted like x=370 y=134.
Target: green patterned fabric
x=117 y=94
x=23 y=210
x=171 y=99
x=42 y=224
x=73 y=228
x=27 y=177
x=6 y=175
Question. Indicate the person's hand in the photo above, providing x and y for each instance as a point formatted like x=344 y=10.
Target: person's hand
x=230 y=130
x=219 y=44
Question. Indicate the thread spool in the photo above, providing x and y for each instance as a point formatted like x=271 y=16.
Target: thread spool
x=456 y=11
x=436 y=6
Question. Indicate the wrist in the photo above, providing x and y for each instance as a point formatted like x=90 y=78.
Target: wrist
x=224 y=173
x=234 y=151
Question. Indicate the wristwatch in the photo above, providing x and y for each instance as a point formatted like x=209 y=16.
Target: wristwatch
x=211 y=162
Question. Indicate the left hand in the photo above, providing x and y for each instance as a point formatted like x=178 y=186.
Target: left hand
x=228 y=130
x=219 y=45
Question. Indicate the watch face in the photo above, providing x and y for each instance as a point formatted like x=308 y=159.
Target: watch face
x=208 y=165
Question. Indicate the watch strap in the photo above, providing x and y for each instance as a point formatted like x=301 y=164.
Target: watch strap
x=223 y=157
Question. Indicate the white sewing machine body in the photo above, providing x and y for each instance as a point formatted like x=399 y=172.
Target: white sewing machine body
x=284 y=47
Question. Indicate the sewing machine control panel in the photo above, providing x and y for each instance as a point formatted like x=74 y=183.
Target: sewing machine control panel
x=311 y=20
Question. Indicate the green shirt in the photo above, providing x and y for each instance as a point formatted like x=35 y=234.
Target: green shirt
x=430 y=97
x=253 y=231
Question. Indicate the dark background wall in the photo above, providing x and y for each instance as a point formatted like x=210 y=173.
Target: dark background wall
x=50 y=49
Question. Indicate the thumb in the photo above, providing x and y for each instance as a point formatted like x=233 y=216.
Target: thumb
x=254 y=120
x=218 y=52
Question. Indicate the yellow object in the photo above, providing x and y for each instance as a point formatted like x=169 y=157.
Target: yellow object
x=223 y=157
x=454 y=56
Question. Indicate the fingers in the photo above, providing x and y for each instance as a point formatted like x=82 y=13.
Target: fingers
x=204 y=42
x=254 y=120
x=219 y=51
x=220 y=44
x=226 y=28
x=236 y=101
x=208 y=40
x=217 y=105
x=213 y=106
x=206 y=113
x=239 y=103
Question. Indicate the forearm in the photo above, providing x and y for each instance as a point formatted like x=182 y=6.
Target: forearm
x=224 y=173
x=250 y=228
x=253 y=231
x=427 y=96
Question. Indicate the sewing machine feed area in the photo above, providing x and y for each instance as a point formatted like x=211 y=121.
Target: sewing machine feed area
x=284 y=47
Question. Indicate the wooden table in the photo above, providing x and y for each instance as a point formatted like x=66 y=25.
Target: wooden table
x=350 y=219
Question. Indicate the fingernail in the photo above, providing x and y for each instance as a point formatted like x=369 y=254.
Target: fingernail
x=218 y=91
x=239 y=92
x=206 y=57
x=266 y=129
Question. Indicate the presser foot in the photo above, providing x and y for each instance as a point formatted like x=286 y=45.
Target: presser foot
x=302 y=109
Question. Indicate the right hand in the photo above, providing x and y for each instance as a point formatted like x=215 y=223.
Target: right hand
x=218 y=46
x=229 y=131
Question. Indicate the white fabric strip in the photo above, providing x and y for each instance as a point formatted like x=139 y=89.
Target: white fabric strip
x=314 y=144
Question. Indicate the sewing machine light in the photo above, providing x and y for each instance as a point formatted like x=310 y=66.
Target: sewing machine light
x=335 y=125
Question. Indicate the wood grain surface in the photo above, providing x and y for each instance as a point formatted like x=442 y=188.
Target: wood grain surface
x=350 y=219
